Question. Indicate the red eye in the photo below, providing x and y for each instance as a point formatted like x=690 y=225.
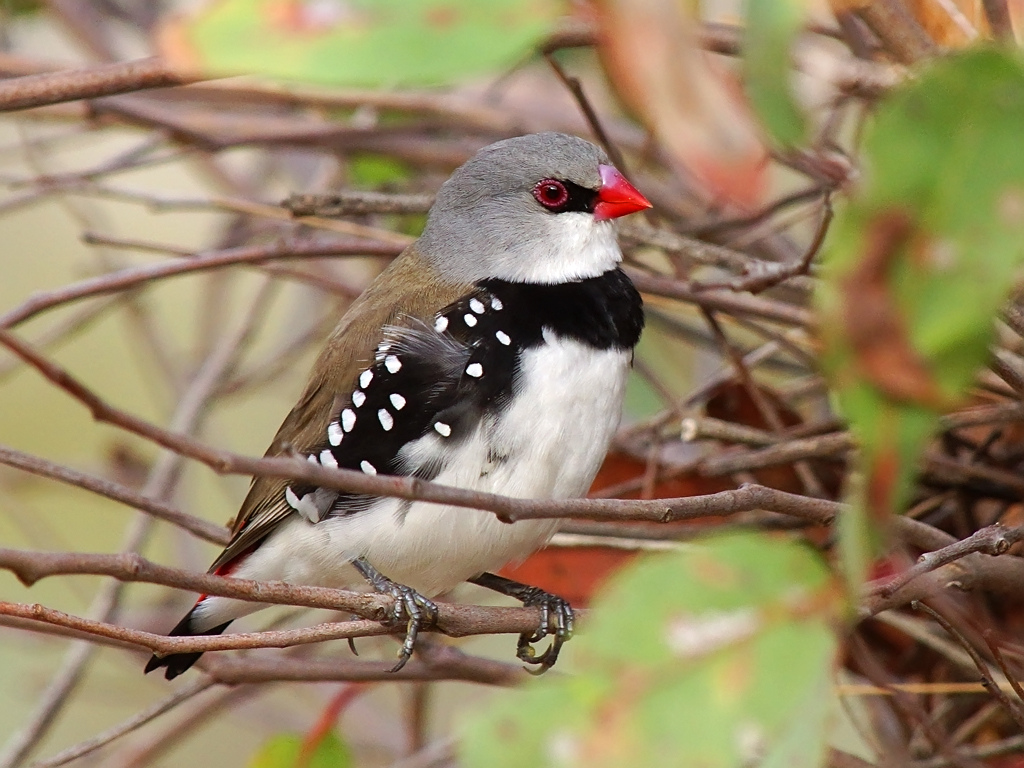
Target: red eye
x=551 y=193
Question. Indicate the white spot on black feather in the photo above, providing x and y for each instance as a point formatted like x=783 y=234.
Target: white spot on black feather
x=327 y=459
x=398 y=401
x=367 y=467
x=334 y=433
x=386 y=420
x=393 y=364
x=365 y=378
x=443 y=429
x=475 y=370
x=304 y=506
x=441 y=324
x=358 y=397
x=496 y=303
x=477 y=306
x=348 y=419
x=470 y=320
x=503 y=338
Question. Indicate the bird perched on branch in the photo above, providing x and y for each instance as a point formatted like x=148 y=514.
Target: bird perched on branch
x=491 y=355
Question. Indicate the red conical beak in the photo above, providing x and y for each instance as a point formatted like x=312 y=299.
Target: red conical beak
x=617 y=197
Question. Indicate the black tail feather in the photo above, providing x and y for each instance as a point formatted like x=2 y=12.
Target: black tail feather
x=177 y=663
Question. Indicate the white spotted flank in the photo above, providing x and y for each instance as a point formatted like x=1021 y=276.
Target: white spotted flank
x=398 y=401
x=475 y=370
x=367 y=467
x=496 y=303
x=386 y=420
x=358 y=398
x=503 y=338
x=477 y=306
x=393 y=364
x=442 y=429
x=327 y=459
x=365 y=378
x=470 y=320
x=441 y=324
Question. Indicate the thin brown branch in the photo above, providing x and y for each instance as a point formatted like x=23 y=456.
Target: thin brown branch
x=31 y=566
x=356 y=203
x=185 y=693
x=1014 y=709
x=993 y=540
x=723 y=301
x=818 y=447
x=761 y=275
x=414 y=489
x=115 y=491
x=88 y=83
x=894 y=25
x=135 y=276
x=575 y=87
x=443 y=663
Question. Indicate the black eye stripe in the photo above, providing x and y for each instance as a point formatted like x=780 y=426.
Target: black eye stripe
x=560 y=196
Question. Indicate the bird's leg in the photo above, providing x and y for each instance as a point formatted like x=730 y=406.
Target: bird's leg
x=553 y=610
x=411 y=608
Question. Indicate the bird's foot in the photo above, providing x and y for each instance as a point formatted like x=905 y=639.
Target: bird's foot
x=411 y=608
x=556 y=620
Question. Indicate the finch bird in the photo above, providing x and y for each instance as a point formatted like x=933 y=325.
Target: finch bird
x=491 y=355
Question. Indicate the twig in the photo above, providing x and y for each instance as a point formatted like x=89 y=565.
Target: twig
x=897 y=29
x=997 y=654
x=88 y=83
x=115 y=491
x=724 y=301
x=993 y=540
x=576 y=89
x=134 y=276
x=787 y=452
x=414 y=489
x=1014 y=709
x=355 y=203
x=133 y=723
x=444 y=663
x=762 y=275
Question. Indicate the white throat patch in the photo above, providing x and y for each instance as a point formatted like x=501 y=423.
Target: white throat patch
x=574 y=247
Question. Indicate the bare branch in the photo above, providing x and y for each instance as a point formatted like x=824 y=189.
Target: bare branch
x=88 y=83
x=115 y=491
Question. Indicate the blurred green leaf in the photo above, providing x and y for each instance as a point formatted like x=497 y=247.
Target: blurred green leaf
x=717 y=655
x=360 y=42
x=918 y=264
x=375 y=171
x=285 y=751
x=771 y=31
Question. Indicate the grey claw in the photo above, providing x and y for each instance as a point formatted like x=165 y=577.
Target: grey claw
x=551 y=607
x=417 y=612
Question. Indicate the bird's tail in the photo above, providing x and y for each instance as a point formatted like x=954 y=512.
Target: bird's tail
x=177 y=663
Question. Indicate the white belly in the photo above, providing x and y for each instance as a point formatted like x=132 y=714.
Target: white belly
x=549 y=444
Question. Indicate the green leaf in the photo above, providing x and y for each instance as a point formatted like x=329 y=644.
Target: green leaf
x=285 y=751
x=713 y=656
x=771 y=30
x=360 y=42
x=918 y=264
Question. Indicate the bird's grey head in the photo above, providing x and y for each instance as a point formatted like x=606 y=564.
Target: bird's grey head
x=534 y=208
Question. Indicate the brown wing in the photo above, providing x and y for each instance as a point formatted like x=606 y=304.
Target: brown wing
x=405 y=292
